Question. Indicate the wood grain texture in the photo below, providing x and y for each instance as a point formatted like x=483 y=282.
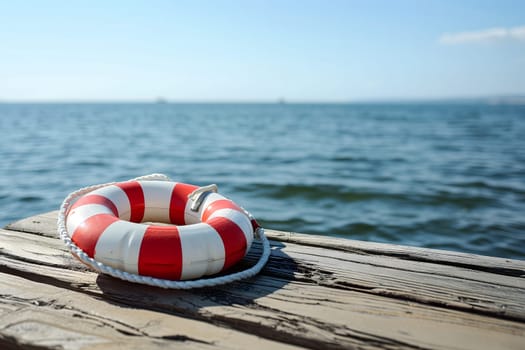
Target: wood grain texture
x=314 y=293
x=47 y=316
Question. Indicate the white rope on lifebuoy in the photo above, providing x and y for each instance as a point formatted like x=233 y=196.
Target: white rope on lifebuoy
x=152 y=281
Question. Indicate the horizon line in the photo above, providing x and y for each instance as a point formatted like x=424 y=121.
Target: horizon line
x=504 y=98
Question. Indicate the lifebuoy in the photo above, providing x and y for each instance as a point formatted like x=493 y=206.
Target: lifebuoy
x=208 y=233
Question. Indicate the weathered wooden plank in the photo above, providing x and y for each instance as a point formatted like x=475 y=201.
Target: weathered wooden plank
x=427 y=282
x=444 y=257
x=309 y=296
x=232 y=305
x=292 y=312
x=40 y=315
x=42 y=224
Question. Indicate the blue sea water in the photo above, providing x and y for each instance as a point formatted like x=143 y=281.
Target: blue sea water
x=448 y=176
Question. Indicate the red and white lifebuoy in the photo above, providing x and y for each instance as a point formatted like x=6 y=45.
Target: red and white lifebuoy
x=205 y=237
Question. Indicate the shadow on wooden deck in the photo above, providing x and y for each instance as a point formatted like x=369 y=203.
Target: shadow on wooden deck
x=282 y=269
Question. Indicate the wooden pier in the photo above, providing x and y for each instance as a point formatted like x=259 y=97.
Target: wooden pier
x=315 y=292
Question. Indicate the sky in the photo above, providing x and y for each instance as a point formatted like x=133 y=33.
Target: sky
x=225 y=51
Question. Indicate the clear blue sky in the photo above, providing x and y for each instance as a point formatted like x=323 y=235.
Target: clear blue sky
x=260 y=50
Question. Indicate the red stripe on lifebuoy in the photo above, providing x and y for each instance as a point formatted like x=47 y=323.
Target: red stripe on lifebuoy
x=135 y=194
x=217 y=205
x=87 y=233
x=96 y=199
x=179 y=198
x=232 y=237
x=161 y=253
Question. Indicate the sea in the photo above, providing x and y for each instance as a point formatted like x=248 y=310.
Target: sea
x=445 y=175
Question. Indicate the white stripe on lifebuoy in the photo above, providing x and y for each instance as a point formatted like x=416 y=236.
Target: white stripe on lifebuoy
x=202 y=251
x=119 y=245
x=156 y=196
x=105 y=224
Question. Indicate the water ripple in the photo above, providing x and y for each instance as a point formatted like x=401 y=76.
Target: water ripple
x=431 y=175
